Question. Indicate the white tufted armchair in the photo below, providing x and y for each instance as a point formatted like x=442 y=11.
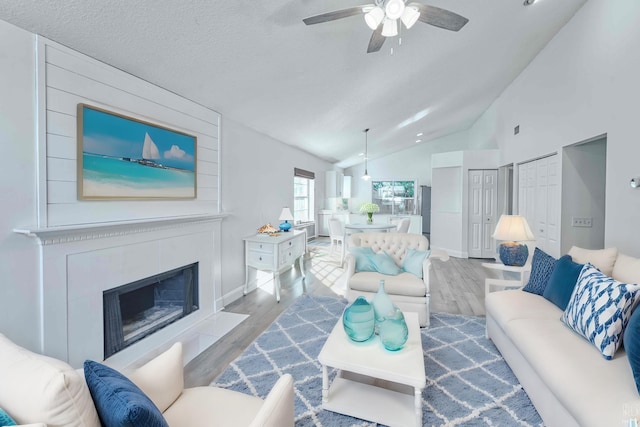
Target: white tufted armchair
x=407 y=291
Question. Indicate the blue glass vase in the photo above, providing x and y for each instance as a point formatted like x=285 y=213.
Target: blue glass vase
x=393 y=331
x=358 y=320
x=382 y=304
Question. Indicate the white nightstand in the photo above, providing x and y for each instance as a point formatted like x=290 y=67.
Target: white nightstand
x=274 y=254
x=523 y=271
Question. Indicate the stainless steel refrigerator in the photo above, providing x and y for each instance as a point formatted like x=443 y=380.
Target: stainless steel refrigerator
x=425 y=210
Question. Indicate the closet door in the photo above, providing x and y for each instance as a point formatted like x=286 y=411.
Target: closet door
x=483 y=203
x=538 y=201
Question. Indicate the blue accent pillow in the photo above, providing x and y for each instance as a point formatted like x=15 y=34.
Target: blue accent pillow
x=384 y=264
x=5 y=419
x=562 y=281
x=631 y=342
x=542 y=266
x=413 y=260
x=600 y=308
x=363 y=263
x=120 y=403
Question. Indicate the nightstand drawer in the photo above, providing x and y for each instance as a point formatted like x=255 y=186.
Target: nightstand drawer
x=261 y=247
x=259 y=260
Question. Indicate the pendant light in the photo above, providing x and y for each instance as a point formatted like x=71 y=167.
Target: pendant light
x=366 y=176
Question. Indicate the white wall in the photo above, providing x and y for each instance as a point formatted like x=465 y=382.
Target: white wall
x=583 y=194
x=257 y=182
x=583 y=84
x=19 y=317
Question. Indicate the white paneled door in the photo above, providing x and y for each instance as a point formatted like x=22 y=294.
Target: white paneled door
x=483 y=203
x=539 y=201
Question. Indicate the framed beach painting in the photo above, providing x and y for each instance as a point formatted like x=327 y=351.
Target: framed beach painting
x=120 y=157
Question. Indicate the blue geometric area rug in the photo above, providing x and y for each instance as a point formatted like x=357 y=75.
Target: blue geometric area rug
x=468 y=381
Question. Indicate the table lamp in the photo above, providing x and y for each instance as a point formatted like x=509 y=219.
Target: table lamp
x=513 y=229
x=285 y=216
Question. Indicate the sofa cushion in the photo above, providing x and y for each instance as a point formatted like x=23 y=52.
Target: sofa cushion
x=592 y=389
x=120 y=403
x=412 y=262
x=361 y=254
x=600 y=308
x=382 y=263
x=5 y=419
x=626 y=269
x=162 y=378
x=542 y=266
x=631 y=342
x=602 y=259
x=43 y=389
x=505 y=306
x=402 y=284
x=562 y=281
x=200 y=406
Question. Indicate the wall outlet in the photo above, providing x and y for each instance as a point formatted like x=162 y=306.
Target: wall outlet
x=581 y=221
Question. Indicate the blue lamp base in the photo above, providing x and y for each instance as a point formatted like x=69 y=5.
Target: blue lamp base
x=513 y=253
x=285 y=226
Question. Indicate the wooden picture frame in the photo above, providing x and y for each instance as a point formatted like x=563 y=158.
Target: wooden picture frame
x=121 y=158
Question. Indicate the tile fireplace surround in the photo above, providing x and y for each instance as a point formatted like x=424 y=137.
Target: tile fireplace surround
x=78 y=263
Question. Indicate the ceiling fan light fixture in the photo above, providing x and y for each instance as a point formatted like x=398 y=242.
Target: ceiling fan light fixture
x=390 y=28
x=394 y=9
x=374 y=17
x=410 y=16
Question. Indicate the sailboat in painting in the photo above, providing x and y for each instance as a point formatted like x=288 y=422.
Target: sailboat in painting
x=150 y=153
x=149 y=149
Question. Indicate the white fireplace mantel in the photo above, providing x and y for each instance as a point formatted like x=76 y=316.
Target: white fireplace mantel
x=79 y=262
x=74 y=233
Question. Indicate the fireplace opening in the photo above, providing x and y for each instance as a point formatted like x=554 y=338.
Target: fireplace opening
x=138 y=309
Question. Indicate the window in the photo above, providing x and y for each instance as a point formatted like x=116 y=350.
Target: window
x=394 y=197
x=303 y=196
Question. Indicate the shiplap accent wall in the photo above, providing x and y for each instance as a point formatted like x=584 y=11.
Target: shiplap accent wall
x=68 y=78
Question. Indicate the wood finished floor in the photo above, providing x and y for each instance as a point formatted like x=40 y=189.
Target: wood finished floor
x=457 y=286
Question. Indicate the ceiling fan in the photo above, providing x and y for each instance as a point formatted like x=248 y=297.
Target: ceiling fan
x=382 y=17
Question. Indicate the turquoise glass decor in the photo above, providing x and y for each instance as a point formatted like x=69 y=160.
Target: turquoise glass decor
x=393 y=331
x=382 y=304
x=358 y=320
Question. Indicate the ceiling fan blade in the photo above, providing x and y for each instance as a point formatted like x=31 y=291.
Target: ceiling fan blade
x=336 y=14
x=440 y=18
x=377 y=40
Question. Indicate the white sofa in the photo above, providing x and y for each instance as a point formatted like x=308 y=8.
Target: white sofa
x=569 y=382
x=40 y=391
x=407 y=291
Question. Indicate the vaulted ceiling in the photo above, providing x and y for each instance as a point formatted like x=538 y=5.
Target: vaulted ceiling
x=313 y=87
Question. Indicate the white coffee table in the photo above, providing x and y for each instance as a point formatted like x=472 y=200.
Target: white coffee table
x=375 y=384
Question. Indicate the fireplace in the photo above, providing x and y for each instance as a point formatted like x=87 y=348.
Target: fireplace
x=135 y=310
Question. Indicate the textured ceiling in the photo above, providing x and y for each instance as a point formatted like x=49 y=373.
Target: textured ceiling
x=314 y=87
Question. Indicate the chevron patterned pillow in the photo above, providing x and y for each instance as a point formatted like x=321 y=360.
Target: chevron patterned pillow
x=599 y=309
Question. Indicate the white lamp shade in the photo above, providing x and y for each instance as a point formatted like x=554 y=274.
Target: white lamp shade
x=410 y=16
x=366 y=176
x=286 y=215
x=390 y=28
x=374 y=17
x=513 y=228
x=394 y=9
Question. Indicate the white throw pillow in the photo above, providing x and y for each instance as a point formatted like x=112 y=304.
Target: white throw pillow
x=602 y=259
x=627 y=269
x=41 y=389
x=161 y=378
x=599 y=309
